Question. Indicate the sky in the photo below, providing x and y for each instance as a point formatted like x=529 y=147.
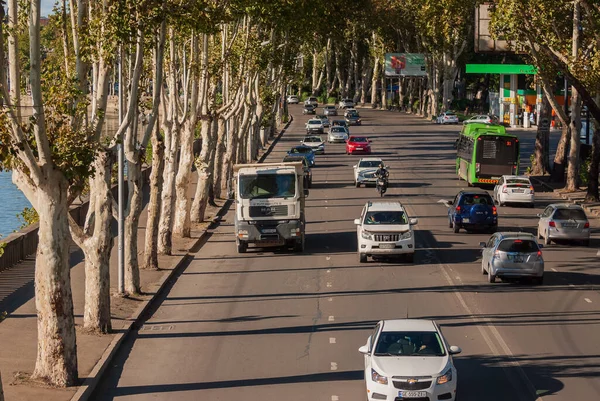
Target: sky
x=47 y=7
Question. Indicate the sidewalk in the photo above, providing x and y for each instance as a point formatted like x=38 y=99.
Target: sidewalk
x=577 y=197
x=18 y=333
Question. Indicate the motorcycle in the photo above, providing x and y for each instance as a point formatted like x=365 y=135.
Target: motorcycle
x=382 y=184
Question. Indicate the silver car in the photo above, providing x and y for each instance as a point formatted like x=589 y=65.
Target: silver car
x=337 y=134
x=512 y=254
x=330 y=110
x=562 y=221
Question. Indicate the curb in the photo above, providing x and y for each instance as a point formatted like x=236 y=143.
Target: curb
x=568 y=197
x=86 y=390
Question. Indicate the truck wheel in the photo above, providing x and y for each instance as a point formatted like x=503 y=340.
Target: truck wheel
x=362 y=258
x=242 y=246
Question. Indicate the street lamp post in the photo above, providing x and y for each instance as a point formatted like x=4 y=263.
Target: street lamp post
x=121 y=157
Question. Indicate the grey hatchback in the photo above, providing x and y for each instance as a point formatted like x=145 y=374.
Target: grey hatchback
x=512 y=254
x=562 y=221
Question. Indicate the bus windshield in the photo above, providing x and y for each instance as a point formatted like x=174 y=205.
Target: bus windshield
x=497 y=150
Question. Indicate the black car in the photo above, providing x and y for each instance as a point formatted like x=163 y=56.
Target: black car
x=353 y=118
x=473 y=210
x=309 y=109
x=306 y=166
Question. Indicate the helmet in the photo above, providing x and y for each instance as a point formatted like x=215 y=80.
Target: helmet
x=381 y=165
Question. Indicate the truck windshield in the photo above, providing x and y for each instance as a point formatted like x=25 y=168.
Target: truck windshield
x=267 y=186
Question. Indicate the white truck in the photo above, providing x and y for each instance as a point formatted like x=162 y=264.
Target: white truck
x=269 y=205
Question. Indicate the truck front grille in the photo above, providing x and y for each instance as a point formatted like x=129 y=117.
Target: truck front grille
x=263 y=211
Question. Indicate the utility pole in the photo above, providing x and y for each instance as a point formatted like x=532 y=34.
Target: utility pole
x=120 y=201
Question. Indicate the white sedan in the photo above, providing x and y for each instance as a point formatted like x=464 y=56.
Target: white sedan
x=447 y=117
x=315 y=142
x=481 y=118
x=314 y=126
x=409 y=358
x=293 y=99
x=514 y=189
x=337 y=134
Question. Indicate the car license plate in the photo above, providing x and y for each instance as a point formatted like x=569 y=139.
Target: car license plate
x=269 y=230
x=569 y=225
x=387 y=246
x=465 y=220
x=359 y=148
x=518 y=259
x=518 y=191
x=412 y=394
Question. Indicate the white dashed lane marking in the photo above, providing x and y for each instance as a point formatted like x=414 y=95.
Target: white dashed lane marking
x=330 y=299
x=329 y=285
x=589 y=301
x=328 y=258
x=333 y=366
x=335 y=398
x=553 y=269
x=331 y=318
x=331 y=340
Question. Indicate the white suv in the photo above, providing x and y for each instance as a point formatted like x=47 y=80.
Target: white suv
x=384 y=229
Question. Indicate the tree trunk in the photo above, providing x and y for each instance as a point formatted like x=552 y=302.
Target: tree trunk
x=383 y=88
x=181 y=220
x=156 y=184
x=97 y=250
x=165 y=225
x=220 y=150
x=541 y=157
x=203 y=168
x=575 y=126
x=132 y=223
x=56 y=361
x=374 y=81
x=1 y=390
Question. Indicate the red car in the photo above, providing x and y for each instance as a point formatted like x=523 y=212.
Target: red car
x=358 y=144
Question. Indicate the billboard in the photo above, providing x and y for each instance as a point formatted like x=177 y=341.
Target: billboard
x=405 y=65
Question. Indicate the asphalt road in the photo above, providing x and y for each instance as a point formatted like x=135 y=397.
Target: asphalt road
x=273 y=325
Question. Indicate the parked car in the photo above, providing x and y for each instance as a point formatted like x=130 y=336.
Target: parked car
x=312 y=101
x=345 y=103
x=315 y=142
x=353 y=118
x=482 y=118
x=364 y=171
x=448 y=117
x=324 y=119
x=337 y=134
x=472 y=210
x=384 y=229
x=305 y=165
x=330 y=110
x=309 y=109
x=512 y=254
x=293 y=99
x=409 y=359
x=358 y=144
x=314 y=126
x=562 y=221
x=514 y=189
x=304 y=150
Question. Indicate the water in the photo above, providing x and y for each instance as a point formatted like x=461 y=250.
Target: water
x=13 y=202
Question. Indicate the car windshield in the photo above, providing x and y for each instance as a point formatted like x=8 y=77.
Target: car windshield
x=315 y=122
x=369 y=163
x=267 y=186
x=476 y=200
x=518 y=245
x=358 y=139
x=301 y=159
x=409 y=343
x=338 y=129
x=301 y=149
x=330 y=107
x=450 y=114
x=569 y=214
x=391 y=217
x=353 y=114
x=313 y=139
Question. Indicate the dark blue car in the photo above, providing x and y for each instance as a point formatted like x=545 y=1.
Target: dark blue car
x=305 y=151
x=473 y=210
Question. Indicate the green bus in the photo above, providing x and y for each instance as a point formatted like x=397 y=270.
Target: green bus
x=485 y=152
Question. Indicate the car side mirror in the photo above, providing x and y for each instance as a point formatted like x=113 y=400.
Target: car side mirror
x=364 y=350
x=482 y=244
x=357 y=222
x=539 y=215
x=454 y=350
x=354 y=166
x=414 y=222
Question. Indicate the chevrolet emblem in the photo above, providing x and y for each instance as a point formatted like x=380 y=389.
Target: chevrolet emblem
x=412 y=381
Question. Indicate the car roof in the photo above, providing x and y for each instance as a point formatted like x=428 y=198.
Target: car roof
x=565 y=206
x=313 y=136
x=409 y=325
x=370 y=159
x=474 y=192
x=516 y=235
x=516 y=176
x=385 y=206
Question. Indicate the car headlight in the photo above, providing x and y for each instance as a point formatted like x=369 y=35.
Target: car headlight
x=377 y=378
x=366 y=235
x=406 y=235
x=321 y=146
x=445 y=377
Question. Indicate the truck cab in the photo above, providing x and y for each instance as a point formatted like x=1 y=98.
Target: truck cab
x=269 y=205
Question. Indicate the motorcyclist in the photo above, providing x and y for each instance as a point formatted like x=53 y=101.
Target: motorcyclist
x=382 y=174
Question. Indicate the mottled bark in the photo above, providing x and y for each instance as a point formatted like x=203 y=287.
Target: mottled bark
x=383 y=88
x=156 y=183
x=204 y=171
x=541 y=155
x=132 y=222
x=575 y=126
